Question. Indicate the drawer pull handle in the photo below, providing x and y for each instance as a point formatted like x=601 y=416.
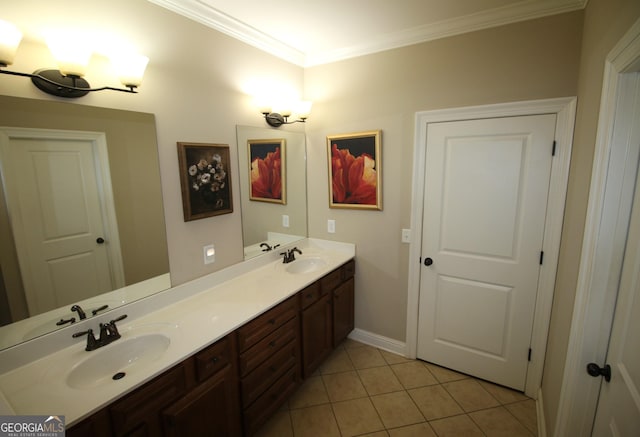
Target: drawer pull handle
x=272 y=368
x=272 y=344
x=215 y=359
x=272 y=321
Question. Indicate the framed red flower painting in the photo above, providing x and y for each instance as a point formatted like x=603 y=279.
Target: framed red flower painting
x=355 y=170
x=267 y=170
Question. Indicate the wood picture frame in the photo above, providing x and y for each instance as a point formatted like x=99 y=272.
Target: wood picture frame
x=355 y=170
x=267 y=170
x=205 y=179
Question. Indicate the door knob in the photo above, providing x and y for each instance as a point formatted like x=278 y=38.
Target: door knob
x=594 y=370
x=428 y=262
x=100 y=240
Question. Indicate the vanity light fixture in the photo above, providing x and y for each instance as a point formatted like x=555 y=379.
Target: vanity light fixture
x=277 y=119
x=72 y=57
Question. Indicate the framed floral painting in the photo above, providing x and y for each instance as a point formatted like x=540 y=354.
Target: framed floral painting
x=355 y=170
x=205 y=180
x=267 y=170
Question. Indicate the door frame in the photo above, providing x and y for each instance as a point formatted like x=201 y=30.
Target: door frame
x=609 y=207
x=103 y=179
x=565 y=109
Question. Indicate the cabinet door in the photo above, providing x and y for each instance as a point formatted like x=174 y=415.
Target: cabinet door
x=342 y=311
x=316 y=334
x=212 y=409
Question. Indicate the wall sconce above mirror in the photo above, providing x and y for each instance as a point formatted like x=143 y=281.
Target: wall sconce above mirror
x=277 y=119
x=72 y=53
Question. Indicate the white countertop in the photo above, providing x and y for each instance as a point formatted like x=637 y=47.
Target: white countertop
x=193 y=316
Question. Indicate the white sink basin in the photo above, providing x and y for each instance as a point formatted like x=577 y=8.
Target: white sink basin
x=117 y=360
x=306 y=265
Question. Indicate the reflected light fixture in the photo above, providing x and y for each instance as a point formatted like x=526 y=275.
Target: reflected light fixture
x=277 y=119
x=72 y=55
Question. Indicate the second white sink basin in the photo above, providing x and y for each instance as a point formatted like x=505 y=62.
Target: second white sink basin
x=306 y=265
x=117 y=360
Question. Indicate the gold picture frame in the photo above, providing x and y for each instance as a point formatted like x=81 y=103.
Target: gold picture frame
x=355 y=170
x=267 y=170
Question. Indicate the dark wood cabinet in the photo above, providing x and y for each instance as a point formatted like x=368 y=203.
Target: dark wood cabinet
x=234 y=386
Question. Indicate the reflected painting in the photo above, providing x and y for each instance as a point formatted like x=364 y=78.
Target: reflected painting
x=267 y=171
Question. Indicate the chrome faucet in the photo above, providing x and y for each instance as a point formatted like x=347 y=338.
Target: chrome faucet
x=108 y=334
x=289 y=255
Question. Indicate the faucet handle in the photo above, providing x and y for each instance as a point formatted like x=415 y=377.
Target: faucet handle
x=92 y=343
x=112 y=329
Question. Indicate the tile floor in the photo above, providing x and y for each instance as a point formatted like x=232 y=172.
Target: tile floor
x=363 y=391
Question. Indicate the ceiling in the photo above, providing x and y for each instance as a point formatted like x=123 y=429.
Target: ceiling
x=312 y=32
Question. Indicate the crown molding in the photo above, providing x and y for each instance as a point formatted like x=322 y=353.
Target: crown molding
x=199 y=11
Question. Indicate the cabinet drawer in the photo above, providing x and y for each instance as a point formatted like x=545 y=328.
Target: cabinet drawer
x=348 y=270
x=267 y=404
x=263 y=325
x=268 y=372
x=310 y=294
x=330 y=281
x=141 y=408
x=213 y=359
x=251 y=358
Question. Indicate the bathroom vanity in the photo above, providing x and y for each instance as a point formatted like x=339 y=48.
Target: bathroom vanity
x=233 y=354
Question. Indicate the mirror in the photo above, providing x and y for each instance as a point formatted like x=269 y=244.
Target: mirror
x=122 y=147
x=273 y=223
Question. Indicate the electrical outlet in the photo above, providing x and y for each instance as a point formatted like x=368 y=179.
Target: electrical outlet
x=285 y=221
x=406 y=235
x=331 y=226
x=209 y=253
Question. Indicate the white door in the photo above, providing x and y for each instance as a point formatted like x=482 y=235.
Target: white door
x=485 y=198
x=56 y=214
x=618 y=412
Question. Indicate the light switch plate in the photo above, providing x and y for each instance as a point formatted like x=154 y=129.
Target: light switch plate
x=285 y=221
x=406 y=235
x=331 y=226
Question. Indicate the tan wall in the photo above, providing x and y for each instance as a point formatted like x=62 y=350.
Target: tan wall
x=605 y=21
x=194 y=84
x=532 y=60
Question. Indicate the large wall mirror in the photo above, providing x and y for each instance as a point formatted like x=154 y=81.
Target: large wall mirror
x=267 y=223
x=81 y=215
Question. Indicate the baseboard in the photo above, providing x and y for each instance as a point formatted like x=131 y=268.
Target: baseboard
x=542 y=428
x=379 y=341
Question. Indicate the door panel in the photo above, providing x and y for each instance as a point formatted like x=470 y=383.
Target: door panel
x=486 y=188
x=618 y=412
x=59 y=205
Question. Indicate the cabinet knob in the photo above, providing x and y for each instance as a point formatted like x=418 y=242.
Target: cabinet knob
x=272 y=344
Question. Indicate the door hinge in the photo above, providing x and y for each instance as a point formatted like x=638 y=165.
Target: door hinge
x=529 y=356
x=541 y=256
x=553 y=149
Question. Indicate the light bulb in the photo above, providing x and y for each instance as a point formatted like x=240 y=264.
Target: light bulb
x=10 y=37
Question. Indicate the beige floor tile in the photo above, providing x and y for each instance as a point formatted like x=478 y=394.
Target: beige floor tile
x=397 y=409
x=443 y=374
x=376 y=434
x=504 y=395
x=278 y=426
x=348 y=343
x=392 y=358
x=417 y=430
x=456 y=426
x=526 y=413
x=498 y=422
x=311 y=392
x=317 y=421
x=344 y=386
x=356 y=417
x=435 y=402
x=413 y=374
x=338 y=361
x=378 y=380
x=366 y=357
x=470 y=395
